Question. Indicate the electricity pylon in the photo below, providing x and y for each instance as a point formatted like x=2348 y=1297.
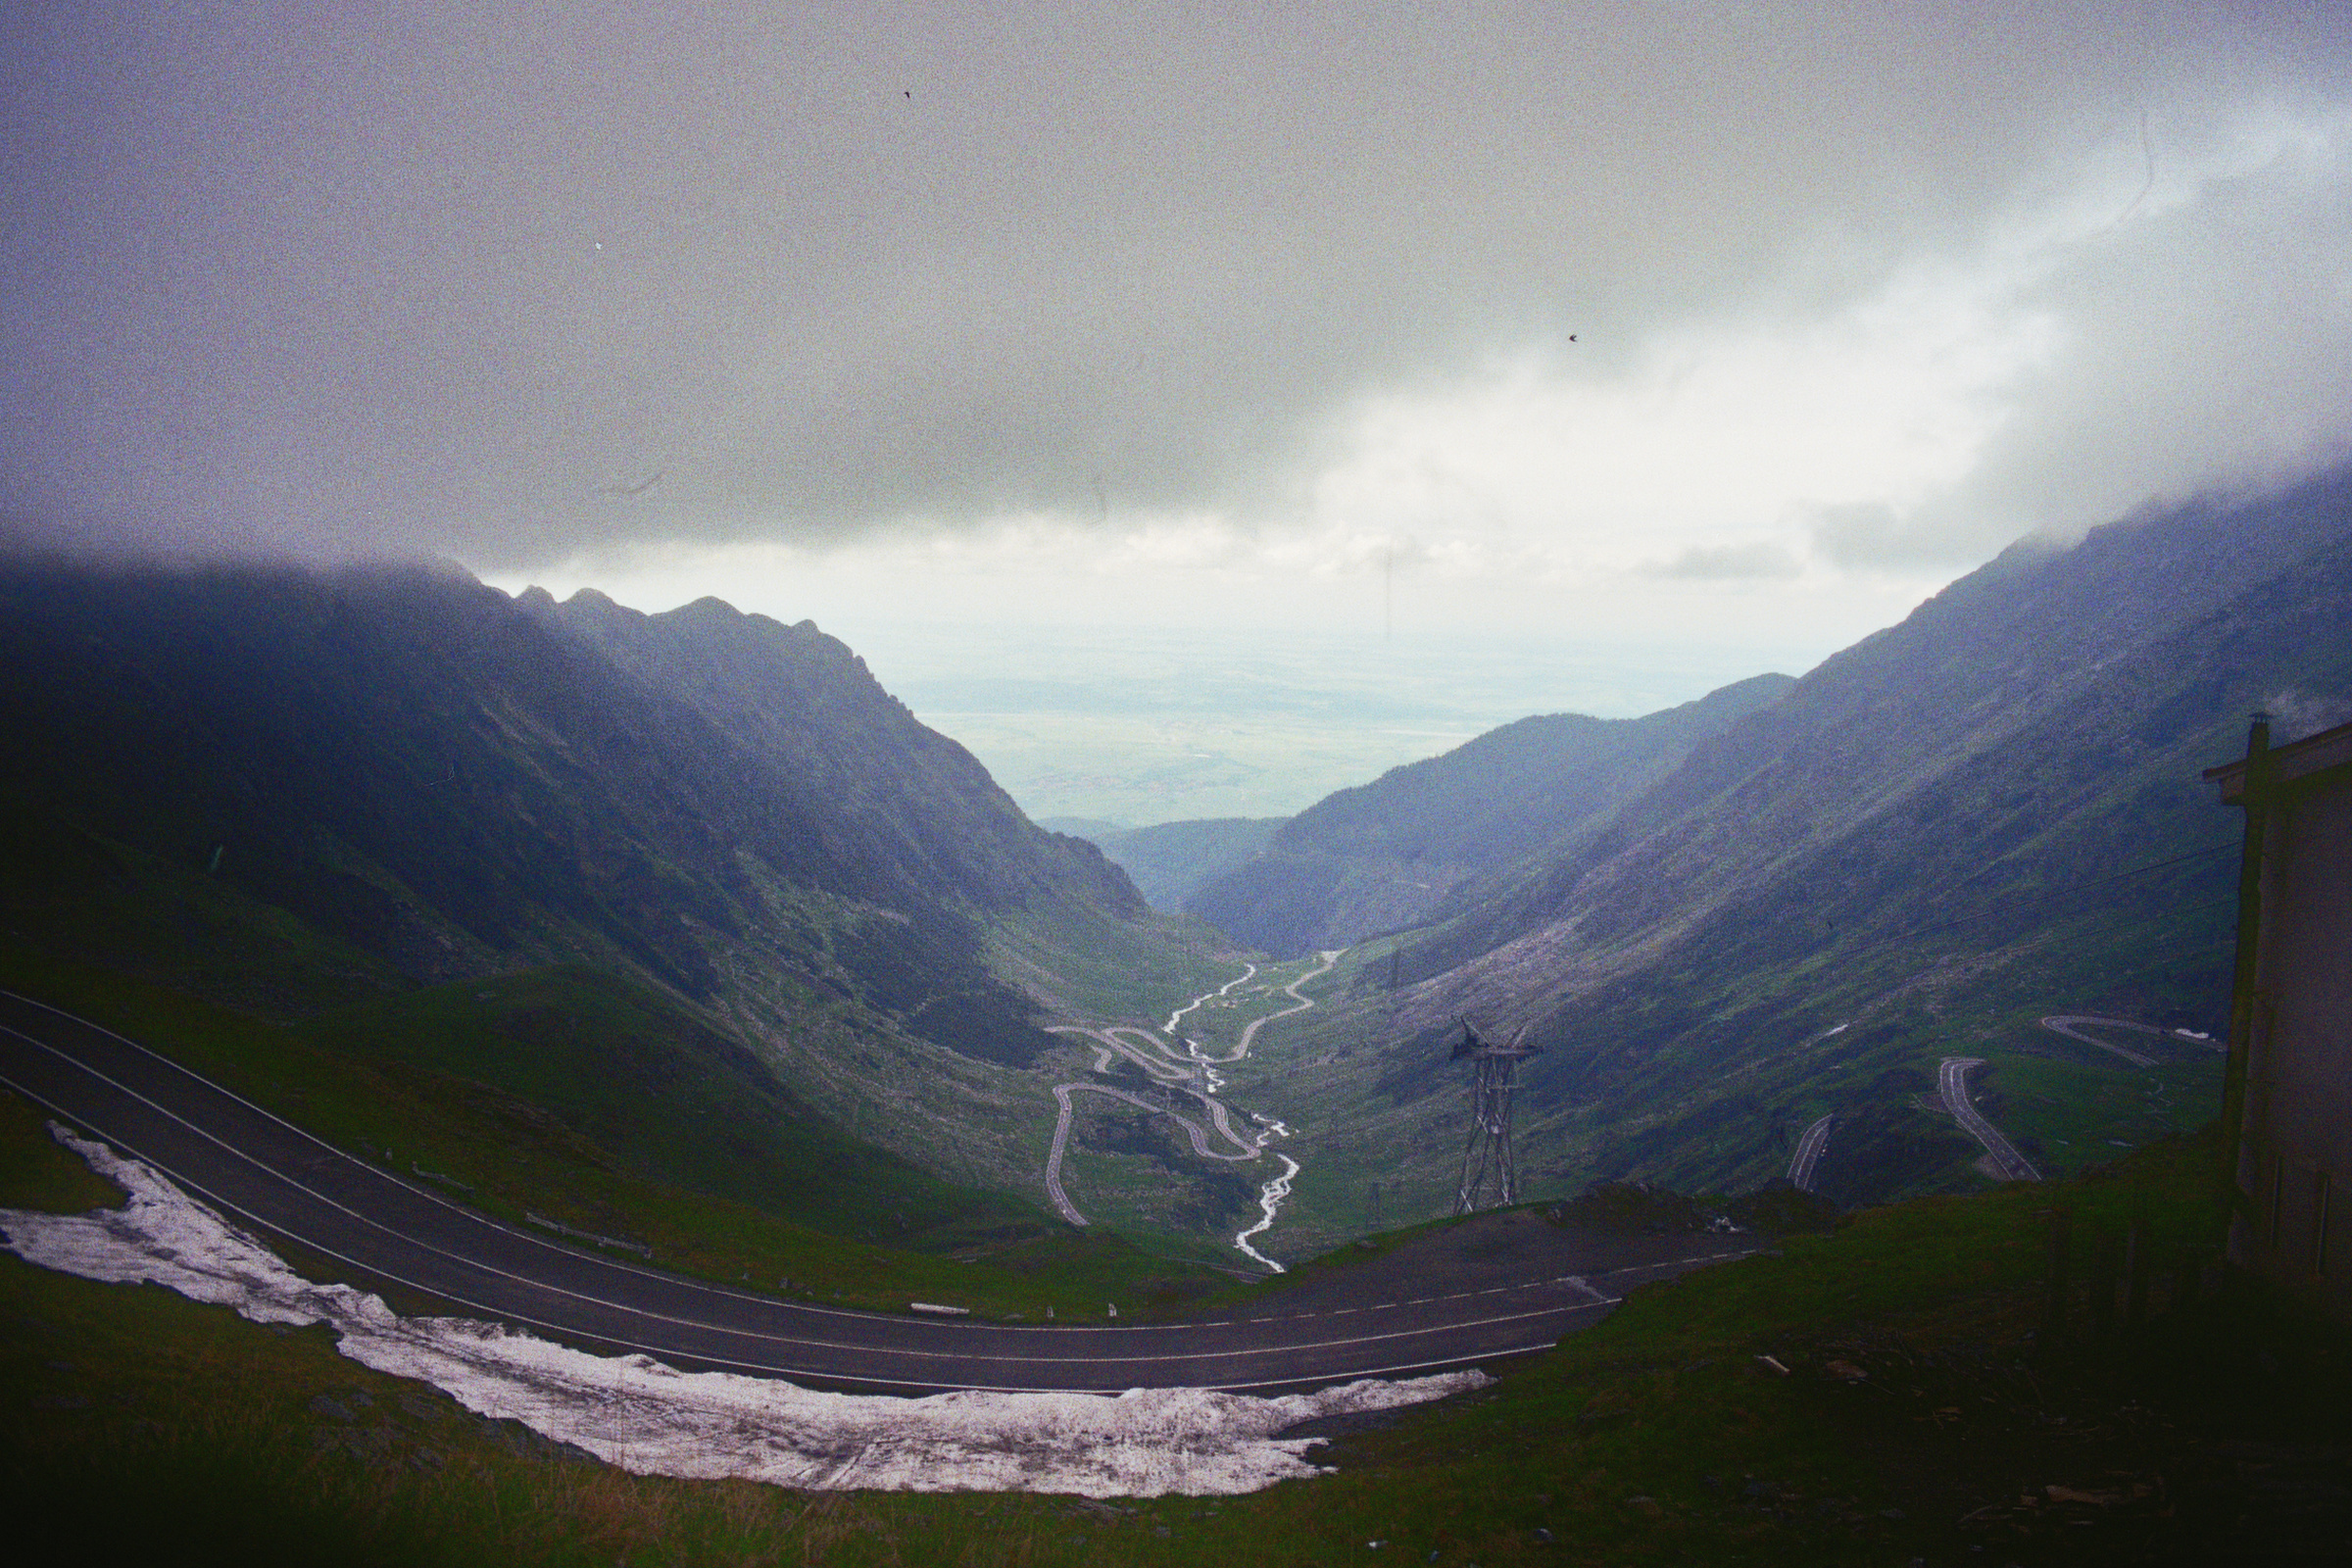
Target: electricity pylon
x=1486 y=1164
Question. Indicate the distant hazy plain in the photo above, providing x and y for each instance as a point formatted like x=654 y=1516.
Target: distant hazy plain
x=1136 y=727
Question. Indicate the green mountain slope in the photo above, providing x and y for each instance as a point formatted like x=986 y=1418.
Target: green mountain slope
x=1384 y=857
x=300 y=794
x=1988 y=813
x=1170 y=861
x=669 y=1098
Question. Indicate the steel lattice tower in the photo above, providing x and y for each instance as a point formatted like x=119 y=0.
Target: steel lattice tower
x=1487 y=1162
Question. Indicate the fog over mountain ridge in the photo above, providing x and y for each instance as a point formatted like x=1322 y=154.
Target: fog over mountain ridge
x=1656 y=311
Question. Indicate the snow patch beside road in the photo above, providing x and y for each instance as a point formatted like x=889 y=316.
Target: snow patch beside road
x=652 y=1419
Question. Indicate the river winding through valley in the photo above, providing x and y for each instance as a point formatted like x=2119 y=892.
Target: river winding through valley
x=1192 y=1074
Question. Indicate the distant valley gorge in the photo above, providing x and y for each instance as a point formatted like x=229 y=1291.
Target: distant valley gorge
x=705 y=859
x=1784 y=905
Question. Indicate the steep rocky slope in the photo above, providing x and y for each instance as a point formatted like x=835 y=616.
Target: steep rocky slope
x=907 y=803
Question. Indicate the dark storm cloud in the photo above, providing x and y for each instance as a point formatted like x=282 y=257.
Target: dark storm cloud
x=513 y=281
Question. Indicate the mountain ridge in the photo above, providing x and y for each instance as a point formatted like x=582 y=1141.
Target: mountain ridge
x=294 y=791
x=781 y=692
x=1170 y=861
x=1915 y=848
x=1384 y=855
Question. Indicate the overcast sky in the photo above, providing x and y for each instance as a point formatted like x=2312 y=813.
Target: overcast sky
x=1670 y=321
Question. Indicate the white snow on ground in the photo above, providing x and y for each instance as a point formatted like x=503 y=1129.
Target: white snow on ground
x=652 y=1419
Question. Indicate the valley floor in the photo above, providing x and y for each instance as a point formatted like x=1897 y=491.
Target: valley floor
x=1180 y=1082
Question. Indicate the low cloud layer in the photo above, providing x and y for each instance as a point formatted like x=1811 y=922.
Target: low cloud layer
x=1860 y=286
x=1711 y=562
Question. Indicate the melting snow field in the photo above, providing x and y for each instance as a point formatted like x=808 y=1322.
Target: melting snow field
x=651 y=1419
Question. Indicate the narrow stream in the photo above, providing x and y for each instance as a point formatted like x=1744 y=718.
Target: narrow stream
x=1269 y=1199
x=1161 y=1063
x=1248 y=973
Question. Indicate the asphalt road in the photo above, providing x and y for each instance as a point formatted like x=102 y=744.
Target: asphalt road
x=2066 y=1024
x=1952 y=1081
x=1808 y=1153
x=273 y=1177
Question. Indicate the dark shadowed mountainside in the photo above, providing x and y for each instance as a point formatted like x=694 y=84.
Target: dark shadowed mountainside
x=1384 y=857
x=905 y=800
x=299 y=793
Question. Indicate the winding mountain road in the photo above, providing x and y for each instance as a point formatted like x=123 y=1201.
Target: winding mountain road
x=1193 y=1129
x=1161 y=1062
x=266 y=1173
x=1808 y=1153
x=1329 y=956
x=1952 y=1082
x=2069 y=1025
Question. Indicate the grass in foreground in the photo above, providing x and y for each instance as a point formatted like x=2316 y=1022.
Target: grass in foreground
x=174 y=1430
x=349 y=1077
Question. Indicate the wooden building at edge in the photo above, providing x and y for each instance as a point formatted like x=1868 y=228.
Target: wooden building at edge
x=2287 y=1105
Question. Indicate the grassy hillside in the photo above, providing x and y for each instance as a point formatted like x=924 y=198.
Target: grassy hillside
x=665 y=1094
x=1990 y=812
